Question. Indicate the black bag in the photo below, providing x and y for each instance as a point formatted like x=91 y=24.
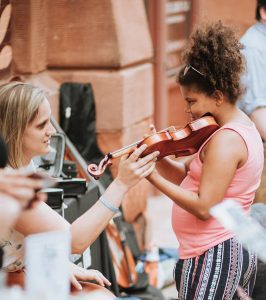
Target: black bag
x=78 y=120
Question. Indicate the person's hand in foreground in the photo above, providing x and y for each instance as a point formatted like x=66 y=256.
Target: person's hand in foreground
x=80 y=274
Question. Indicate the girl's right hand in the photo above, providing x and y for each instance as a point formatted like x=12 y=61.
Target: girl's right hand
x=132 y=168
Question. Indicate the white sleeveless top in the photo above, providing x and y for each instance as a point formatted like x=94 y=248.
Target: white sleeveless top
x=13 y=242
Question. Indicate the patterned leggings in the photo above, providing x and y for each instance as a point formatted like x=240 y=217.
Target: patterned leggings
x=217 y=273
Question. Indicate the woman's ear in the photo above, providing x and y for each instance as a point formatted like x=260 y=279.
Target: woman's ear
x=218 y=97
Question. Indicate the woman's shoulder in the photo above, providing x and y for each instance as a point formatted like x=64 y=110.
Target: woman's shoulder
x=30 y=168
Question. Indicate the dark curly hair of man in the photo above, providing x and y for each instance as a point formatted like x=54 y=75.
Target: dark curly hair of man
x=213 y=61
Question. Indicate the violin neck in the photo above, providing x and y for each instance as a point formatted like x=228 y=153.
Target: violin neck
x=126 y=150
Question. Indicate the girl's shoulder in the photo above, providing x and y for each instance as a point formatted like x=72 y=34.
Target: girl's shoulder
x=234 y=132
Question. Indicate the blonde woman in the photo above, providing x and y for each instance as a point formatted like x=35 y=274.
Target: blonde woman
x=26 y=128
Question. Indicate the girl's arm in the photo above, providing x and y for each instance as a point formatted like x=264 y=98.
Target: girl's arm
x=174 y=170
x=221 y=157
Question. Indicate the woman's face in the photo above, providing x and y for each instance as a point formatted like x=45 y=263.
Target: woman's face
x=198 y=103
x=37 y=135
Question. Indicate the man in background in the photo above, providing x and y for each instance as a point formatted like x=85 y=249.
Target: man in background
x=253 y=103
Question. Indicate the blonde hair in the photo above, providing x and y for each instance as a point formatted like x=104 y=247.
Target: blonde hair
x=19 y=104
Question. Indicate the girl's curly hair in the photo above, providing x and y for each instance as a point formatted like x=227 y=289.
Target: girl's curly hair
x=215 y=52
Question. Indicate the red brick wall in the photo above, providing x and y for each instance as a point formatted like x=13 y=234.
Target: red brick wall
x=240 y=14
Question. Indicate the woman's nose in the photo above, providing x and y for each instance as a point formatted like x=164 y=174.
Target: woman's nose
x=50 y=130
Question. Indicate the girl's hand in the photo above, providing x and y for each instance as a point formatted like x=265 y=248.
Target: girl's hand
x=132 y=168
x=78 y=273
x=152 y=130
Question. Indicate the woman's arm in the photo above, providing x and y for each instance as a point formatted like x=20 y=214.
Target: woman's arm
x=87 y=227
x=41 y=218
x=225 y=152
x=84 y=230
x=9 y=212
x=92 y=223
x=16 y=192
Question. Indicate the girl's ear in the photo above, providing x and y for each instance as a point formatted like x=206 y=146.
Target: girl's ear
x=218 y=97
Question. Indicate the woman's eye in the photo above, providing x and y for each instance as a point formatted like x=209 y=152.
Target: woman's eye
x=41 y=126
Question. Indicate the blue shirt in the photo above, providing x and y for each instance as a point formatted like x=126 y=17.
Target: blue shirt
x=254 y=41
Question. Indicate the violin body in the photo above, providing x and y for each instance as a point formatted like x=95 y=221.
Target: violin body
x=171 y=141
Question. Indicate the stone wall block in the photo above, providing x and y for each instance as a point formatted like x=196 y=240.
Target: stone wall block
x=239 y=15
x=29 y=36
x=97 y=34
x=133 y=33
x=122 y=97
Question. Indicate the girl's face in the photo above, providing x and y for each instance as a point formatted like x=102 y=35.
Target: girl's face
x=37 y=135
x=198 y=103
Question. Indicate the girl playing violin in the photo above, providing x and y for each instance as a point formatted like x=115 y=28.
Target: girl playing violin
x=228 y=165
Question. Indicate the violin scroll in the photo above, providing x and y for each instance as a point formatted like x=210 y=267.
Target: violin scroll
x=97 y=171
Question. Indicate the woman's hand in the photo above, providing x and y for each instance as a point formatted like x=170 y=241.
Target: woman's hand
x=132 y=168
x=78 y=273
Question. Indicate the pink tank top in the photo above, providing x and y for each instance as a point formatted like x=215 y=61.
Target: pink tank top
x=196 y=236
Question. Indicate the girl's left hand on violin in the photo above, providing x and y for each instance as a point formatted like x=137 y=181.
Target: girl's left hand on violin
x=81 y=274
x=132 y=168
x=152 y=130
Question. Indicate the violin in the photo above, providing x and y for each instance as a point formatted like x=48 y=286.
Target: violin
x=170 y=141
